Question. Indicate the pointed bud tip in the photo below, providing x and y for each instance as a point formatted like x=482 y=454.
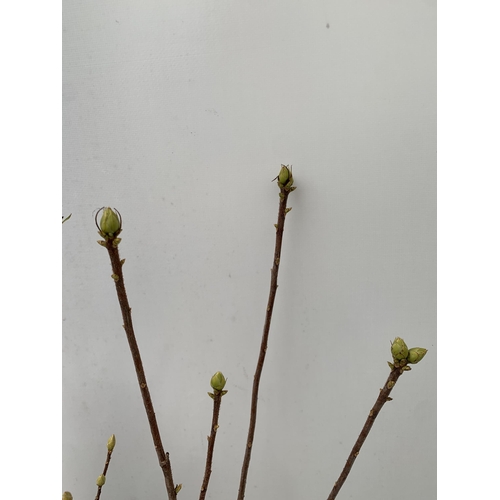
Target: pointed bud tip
x=399 y=349
x=110 y=222
x=416 y=354
x=218 y=381
x=285 y=177
x=111 y=442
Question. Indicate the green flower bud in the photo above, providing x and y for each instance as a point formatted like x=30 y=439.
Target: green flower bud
x=399 y=349
x=284 y=175
x=101 y=480
x=110 y=222
x=218 y=381
x=67 y=496
x=415 y=354
x=111 y=442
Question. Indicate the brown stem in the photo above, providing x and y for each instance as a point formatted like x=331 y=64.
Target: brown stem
x=265 y=335
x=163 y=458
x=211 y=443
x=383 y=397
x=106 y=464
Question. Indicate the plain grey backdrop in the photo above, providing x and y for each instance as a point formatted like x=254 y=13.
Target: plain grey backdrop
x=179 y=114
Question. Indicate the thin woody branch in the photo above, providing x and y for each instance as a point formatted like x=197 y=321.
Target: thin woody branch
x=402 y=357
x=102 y=478
x=217 y=397
x=217 y=382
x=381 y=400
x=285 y=182
x=110 y=228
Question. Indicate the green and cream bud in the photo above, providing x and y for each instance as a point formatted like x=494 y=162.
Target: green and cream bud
x=415 y=354
x=111 y=442
x=284 y=174
x=101 y=480
x=110 y=222
x=399 y=349
x=285 y=177
x=218 y=381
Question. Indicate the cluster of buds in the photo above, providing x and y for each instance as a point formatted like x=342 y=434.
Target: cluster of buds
x=110 y=225
x=402 y=356
x=218 y=383
x=285 y=179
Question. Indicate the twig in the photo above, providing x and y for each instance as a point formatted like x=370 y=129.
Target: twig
x=163 y=458
x=217 y=397
x=285 y=189
x=106 y=464
x=383 y=397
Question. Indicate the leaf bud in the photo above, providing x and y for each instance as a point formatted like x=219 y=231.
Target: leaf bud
x=110 y=222
x=101 y=480
x=284 y=174
x=415 y=354
x=111 y=442
x=285 y=177
x=67 y=496
x=399 y=349
x=218 y=381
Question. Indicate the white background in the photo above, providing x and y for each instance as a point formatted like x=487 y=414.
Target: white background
x=179 y=114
